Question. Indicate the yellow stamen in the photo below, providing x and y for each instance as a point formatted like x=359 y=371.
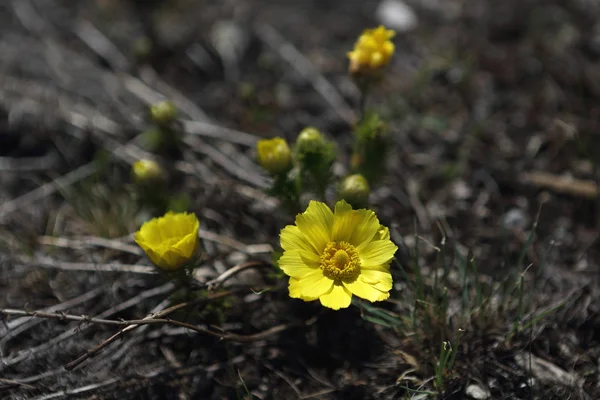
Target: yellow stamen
x=340 y=260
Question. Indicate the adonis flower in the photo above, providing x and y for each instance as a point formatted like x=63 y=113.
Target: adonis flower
x=274 y=155
x=332 y=256
x=171 y=240
x=372 y=51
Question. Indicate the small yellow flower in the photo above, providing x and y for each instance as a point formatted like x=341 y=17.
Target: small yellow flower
x=147 y=172
x=274 y=155
x=372 y=51
x=332 y=256
x=169 y=241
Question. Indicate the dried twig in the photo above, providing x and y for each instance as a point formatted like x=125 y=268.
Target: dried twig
x=153 y=319
x=219 y=280
x=21 y=325
x=564 y=185
x=158 y=319
x=24 y=354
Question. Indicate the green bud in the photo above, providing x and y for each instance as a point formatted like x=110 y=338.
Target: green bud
x=163 y=113
x=355 y=190
x=148 y=173
x=315 y=156
x=309 y=140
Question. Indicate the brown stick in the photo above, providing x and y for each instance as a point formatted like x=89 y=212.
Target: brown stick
x=560 y=184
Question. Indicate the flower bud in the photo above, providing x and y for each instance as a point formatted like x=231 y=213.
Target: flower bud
x=163 y=113
x=148 y=173
x=274 y=155
x=310 y=140
x=355 y=190
x=314 y=155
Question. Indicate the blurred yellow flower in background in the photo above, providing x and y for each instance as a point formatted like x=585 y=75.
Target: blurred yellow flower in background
x=169 y=241
x=372 y=51
x=274 y=155
x=147 y=172
x=332 y=256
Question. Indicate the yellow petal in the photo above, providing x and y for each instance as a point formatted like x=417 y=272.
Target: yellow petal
x=366 y=229
x=292 y=239
x=376 y=60
x=364 y=290
x=294 y=281
x=337 y=297
x=165 y=260
x=316 y=223
x=149 y=233
x=298 y=264
x=383 y=233
x=345 y=221
x=311 y=285
x=381 y=280
x=376 y=253
x=367 y=43
x=187 y=245
x=388 y=49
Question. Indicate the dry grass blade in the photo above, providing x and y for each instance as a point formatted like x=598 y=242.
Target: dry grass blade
x=47 y=262
x=296 y=60
x=47 y=189
x=212 y=131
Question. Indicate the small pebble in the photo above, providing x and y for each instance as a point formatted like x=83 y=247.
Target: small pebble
x=396 y=15
x=477 y=392
x=515 y=219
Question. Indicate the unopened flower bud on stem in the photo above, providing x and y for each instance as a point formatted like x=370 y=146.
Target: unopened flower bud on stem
x=274 y=155
x=355 y=190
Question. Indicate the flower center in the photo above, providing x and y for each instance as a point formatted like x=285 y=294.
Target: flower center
x=340 y=260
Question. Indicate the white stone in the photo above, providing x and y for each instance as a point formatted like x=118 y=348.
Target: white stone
x=477 y=392
x=396 y=15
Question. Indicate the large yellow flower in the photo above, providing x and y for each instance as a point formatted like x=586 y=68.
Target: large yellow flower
x=372 y=51
x=331 y=256
x=171 y=240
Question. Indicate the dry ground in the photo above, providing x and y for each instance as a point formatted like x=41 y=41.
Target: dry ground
x=493 y=113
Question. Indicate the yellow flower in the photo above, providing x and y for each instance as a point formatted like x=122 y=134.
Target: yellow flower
x=331 y=256
x=274 y=155
x=171 y=240
x=372 y=51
